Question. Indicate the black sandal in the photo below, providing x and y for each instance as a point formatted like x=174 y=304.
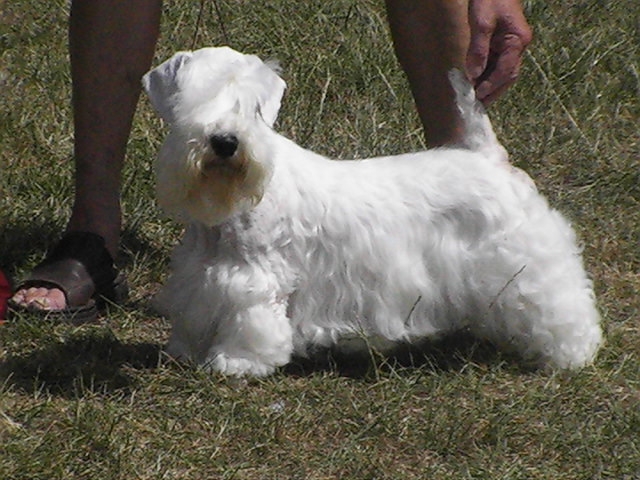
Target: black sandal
x=83 y=269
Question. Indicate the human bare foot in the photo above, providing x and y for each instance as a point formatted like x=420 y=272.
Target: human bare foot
x=40 y=298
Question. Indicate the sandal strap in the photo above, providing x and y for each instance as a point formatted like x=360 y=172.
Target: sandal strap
x=80 y=266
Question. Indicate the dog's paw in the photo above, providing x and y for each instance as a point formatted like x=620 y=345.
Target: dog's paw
x=238 y=367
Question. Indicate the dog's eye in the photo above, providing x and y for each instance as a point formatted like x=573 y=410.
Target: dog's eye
x=224 y=145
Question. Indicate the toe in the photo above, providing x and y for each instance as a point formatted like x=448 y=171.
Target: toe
x=41 y=298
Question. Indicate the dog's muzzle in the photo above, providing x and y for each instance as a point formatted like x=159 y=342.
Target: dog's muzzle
x=225 y=145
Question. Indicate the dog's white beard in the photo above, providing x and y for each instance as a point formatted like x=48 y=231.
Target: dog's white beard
x=190 y=190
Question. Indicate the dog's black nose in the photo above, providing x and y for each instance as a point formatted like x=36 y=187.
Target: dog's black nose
x=224 y=145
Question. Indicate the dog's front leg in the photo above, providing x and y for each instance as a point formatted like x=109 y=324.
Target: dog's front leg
x=226 y=316
x=252 y=341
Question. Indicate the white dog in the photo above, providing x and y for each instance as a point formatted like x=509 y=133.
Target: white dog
x=286 y=250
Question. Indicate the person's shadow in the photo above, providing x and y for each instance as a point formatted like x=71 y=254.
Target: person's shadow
x=94 y=358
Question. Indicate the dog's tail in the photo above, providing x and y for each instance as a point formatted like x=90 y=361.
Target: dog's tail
x=478 y=132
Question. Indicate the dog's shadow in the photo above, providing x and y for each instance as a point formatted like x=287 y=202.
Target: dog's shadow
x=449 y=353
x=94 y=360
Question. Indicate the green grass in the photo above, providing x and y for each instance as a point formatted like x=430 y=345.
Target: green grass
x=102 y=402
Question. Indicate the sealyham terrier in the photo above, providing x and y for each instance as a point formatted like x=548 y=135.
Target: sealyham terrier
x=286 y=251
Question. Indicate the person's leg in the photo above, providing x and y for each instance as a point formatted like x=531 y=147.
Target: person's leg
x=430 y=38
x=111 y=43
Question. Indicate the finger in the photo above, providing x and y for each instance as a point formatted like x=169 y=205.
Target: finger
x=479 y=47
x=503 y=71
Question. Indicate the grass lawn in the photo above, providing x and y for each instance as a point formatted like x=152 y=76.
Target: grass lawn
x=102 y=402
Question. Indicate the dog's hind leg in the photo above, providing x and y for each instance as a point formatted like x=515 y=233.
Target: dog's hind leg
x=535 y=297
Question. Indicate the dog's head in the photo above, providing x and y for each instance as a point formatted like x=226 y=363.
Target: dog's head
x=220 y=106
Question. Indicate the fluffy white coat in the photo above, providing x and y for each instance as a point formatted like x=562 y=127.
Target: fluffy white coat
x=286 y=250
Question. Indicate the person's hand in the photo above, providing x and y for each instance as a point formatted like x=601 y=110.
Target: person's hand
x=499 y=35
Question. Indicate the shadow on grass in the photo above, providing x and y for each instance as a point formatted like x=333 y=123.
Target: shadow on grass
x=96 y=361
x=450 y=353
x=19 y=242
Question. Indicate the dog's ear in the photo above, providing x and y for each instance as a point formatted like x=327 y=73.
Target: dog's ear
x=161 y=85
x=269 y=105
